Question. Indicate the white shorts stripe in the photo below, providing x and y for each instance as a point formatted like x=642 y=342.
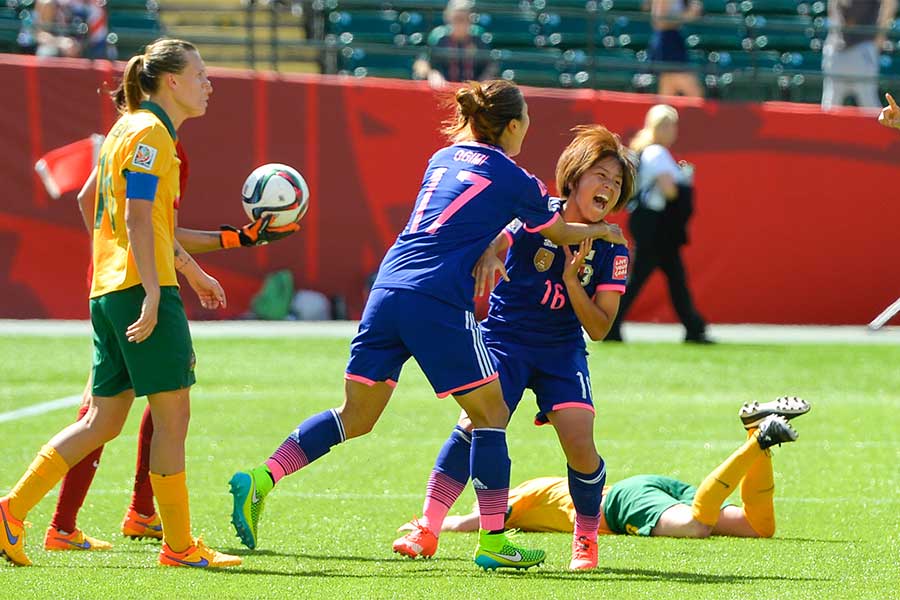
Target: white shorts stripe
x=484 y=360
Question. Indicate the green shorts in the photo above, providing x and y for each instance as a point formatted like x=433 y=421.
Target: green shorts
x=634 y=505
x=161 y=363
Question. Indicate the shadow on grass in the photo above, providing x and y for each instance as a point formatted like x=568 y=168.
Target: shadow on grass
x=607 y=574
x=246 y=552
x=818 y=540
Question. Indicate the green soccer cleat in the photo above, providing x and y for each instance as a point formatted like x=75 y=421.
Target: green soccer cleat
x=496 y=550
x=249 y=489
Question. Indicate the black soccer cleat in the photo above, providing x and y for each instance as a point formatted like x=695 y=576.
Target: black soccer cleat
x=753 y=413
x=775 y=429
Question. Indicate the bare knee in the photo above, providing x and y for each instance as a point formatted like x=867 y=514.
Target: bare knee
x=696 y=529
x=355 y=424
x=173 y=421
x=102 y=427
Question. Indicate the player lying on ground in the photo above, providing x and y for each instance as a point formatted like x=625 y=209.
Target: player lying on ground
x=662 y=506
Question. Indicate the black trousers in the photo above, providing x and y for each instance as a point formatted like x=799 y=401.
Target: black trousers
x=647 y=258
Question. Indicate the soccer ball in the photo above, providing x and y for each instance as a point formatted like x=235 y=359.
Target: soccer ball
x=277 y=189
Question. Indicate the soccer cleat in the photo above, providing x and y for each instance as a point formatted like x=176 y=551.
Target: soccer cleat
x=137 y=526
x=418 y=542
x=77 y=540
x=199 y=556
x=12 y=538
x=496 y=550
x=584 y=554
x=788 y=407
x=775 y=429
x=249 y=489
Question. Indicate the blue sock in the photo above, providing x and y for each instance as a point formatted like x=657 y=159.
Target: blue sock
x=455 y=456
x=312 y=440
x=586 y=490
x=490 y=476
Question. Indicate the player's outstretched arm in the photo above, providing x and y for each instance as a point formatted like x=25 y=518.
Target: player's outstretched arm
x=562 y=233
x=257 y=233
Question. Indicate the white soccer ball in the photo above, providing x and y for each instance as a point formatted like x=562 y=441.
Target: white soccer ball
x=277 y=189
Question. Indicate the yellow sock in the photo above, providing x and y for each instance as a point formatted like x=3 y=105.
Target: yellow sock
x=719 y=484
x=45 y=471
x=758 y=493
x=172 y=499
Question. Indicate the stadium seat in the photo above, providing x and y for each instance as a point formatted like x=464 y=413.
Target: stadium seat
x=721 y=33
x=538 y=68
x=568 y=31
x=632 y=33
x=738 y=60
x=506 y=30
x=720 y=7
x=379 y=27
x=784 y=33
x=773 y=7
x=9 y=29
x=625 y=5
x=361 y=62
x=131 y=31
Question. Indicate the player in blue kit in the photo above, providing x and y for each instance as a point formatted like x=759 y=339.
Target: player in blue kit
x=534 y=335
x=421 y=306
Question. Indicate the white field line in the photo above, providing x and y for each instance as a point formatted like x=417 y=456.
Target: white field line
x=637 y=332
x=40 y=408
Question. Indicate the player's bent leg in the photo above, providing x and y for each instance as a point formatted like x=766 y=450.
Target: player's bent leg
x=484 y=406
x=102 y=423
x=678 y=521
x=733 y=522
x=312 y=439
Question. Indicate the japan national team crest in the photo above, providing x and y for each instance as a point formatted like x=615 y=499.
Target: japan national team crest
x=620 y=267
x=543 y=259
x=144 y=156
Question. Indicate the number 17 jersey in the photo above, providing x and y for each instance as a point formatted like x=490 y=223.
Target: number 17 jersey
x=469 y=193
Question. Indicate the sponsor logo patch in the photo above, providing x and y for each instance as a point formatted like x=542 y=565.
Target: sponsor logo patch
x=144 y=156
x=620 y=267
x=543 y=259
x=514 y=226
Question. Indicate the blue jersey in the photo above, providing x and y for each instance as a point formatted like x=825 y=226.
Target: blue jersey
x=470 y=191
x=533 y=308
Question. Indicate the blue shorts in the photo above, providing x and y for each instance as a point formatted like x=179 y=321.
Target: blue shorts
x=445 y=340
x=559 y=378
x=667 y=45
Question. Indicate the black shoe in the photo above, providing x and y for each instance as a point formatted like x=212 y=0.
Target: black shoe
x=775 y=429
x=753 y=413
x=698 y=338
x=614 y=335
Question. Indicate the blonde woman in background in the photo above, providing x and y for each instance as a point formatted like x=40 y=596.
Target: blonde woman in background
x=661 y=209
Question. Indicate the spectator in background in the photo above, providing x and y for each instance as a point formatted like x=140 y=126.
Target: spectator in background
x=850 y=56
x=661 y=209
x=890 y=114
x=667 y=44
x=50 y=30
x=457 y=51
x=92 y=26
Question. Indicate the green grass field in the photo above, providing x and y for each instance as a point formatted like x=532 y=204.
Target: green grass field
x=662 y=408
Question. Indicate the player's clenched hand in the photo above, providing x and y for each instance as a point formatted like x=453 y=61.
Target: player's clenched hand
x=614 y=235
x=257 y=233
x=890 y=114
x=575 y=261
x=141 y=329
x=209 y=291
x=485 y=271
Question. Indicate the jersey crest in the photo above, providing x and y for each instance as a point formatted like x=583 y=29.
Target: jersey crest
x=543 y=259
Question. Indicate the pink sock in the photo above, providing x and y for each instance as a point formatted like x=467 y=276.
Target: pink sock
x=289 y=458
x=442 y=492
x=586 y=526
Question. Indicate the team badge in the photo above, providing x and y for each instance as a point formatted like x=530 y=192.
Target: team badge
x=144 y=156
x=620 y=267
x=543 y=259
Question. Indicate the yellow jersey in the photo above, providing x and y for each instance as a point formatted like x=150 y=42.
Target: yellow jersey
x=544 y=504
x=140 y=146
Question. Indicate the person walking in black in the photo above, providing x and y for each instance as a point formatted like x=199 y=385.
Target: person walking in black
x=662 y=207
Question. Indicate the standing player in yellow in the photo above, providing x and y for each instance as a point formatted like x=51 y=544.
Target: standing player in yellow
x=142 y=344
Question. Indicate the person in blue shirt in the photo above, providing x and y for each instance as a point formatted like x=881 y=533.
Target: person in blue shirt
x=533 y=332
x=421 y=306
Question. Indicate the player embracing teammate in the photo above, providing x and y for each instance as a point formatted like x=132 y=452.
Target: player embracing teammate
x=534 y=335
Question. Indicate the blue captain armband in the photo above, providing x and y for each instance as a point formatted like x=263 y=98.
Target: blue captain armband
x=140 y=186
